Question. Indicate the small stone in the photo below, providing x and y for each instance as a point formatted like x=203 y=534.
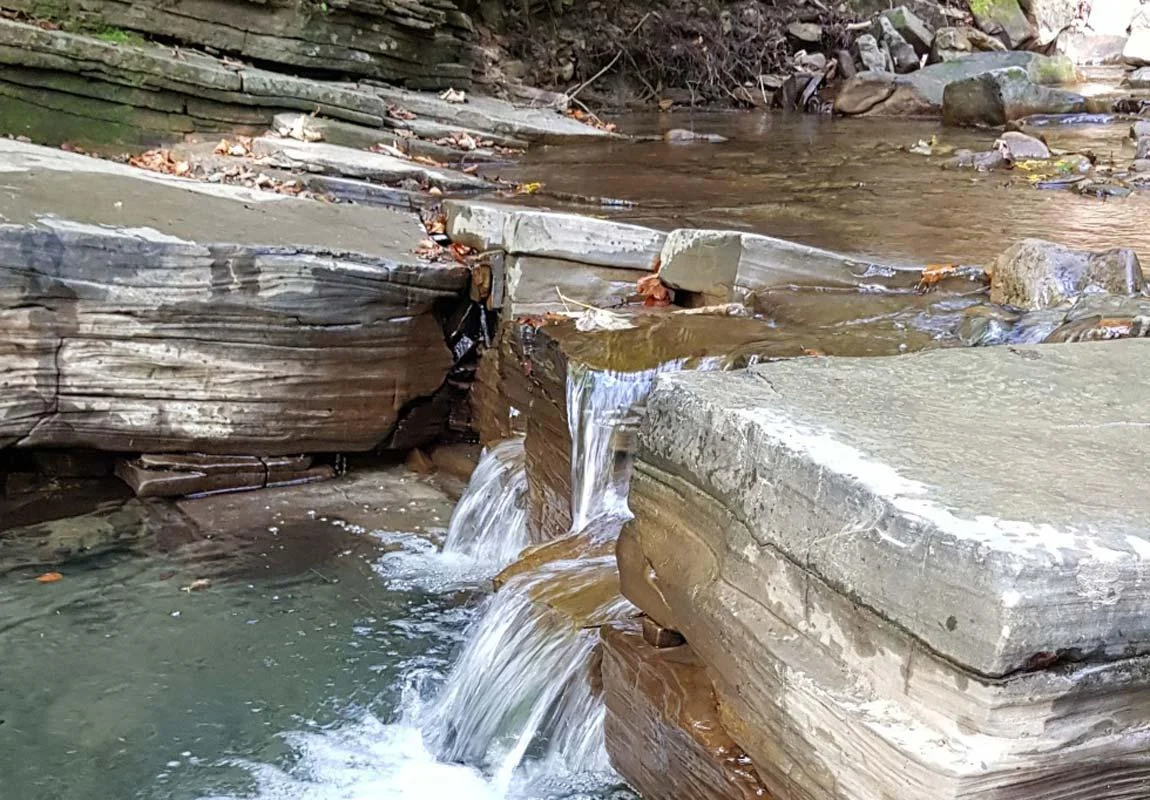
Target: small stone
x=1141 y=165
x=810 y=62
x=807 y=32
x=989 y=160
x=1140 y=129
x=870 y=54
x=983 y=42
x=846 y=62
x=1038 y=274
x=949 y=44
x=1016 y=146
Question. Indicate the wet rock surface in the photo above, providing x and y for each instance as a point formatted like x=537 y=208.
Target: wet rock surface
x=1037 y=274
x=922 y=92
x=813 y=641
x=228 y=330
x=663 y=728
x=1000 y=96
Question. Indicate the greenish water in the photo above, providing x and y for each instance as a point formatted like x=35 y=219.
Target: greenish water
x=299 y=672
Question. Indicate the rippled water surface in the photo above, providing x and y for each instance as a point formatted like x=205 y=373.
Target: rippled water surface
x=842 y=184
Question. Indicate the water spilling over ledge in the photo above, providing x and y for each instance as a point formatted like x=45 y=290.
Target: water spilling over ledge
x=490 y=522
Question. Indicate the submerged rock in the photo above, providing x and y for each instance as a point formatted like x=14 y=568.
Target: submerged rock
x=1016 y=146
x=983 y=162
x=999 y=96
x=1037 y=274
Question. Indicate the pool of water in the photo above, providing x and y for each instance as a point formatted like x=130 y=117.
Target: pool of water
x=843 y=184
x=300 y=673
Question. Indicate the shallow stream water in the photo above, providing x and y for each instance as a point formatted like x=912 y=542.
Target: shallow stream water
x=847 y=185
x=311 y=677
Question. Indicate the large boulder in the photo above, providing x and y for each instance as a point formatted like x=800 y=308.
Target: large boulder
x=921 y=92
x=1088 y=48
x=1000 y=96
x=1051 y=17
x=145 y=313
x=1112 y=17
x=873 y=57
x=1036 y=274
x=926 y=608
x=1004 y=19
x=1137 y=50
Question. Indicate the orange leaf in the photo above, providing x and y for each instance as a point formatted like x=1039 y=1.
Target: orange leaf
x=50 y=577
x=653 y=291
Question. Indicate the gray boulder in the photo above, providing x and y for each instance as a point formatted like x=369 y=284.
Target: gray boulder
x=1139 y=129
x=1051 y=17
x=911 y=28
x=1036 y=274
x=921 y=92
x=1142 y=148
x=873 y=58
x=1137 y=50
x=999 y=96
x=1004 y=19
x=902 y=54
x=1139 y=79
x=1088 y=48
x=1016 y=146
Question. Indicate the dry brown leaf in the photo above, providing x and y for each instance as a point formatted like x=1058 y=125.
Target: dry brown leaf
x=934 y=274
x=50 y=577
x=653 y=291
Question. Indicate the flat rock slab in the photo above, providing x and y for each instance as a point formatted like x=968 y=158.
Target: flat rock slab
x=140 y=312
x=543 y=125
x=548 y=234
x=349 y=162
x=980 y=500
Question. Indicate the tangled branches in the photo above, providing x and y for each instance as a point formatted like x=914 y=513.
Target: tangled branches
x=709 y=48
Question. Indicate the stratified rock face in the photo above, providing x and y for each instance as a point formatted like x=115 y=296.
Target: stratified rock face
x=851 y=548
x=145 y=313
x=1036 y=274
x=663 y=730
x=421 y=42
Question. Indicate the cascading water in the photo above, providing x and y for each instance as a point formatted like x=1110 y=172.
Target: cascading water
x=489 y=524
x=521 y=686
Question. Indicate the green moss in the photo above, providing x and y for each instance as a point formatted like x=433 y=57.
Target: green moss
x=119 y=36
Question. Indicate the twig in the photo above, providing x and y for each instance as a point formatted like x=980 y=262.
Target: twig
x=640 y=25
x=595 y=77
x=858 y=26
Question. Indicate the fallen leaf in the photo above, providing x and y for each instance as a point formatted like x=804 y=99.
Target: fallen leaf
x=933 y=274
x=813 y=352
x=197 y=585
x=666 y=104
x=653 y=291
x=50 y=577
x=453 y=96
x=528 y=188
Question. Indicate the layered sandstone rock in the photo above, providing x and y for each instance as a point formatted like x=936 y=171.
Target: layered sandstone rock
x=142 y=313
x=663 y=729
x=424 y=43
x=899 y=598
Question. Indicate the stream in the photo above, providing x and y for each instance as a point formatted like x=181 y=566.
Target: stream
x=382 y=666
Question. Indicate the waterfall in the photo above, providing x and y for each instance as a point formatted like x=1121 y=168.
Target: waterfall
x=522 y=685
x=489 y=524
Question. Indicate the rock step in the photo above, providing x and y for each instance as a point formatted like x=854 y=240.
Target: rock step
x=142 y=312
